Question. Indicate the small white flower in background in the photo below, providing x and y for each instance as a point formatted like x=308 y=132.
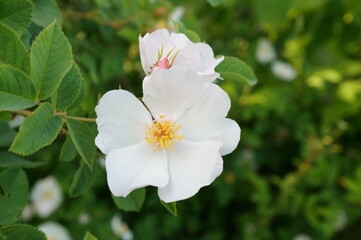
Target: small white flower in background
x=265 y=52
x=54 y=231
x=341 y=220
x=175 y=16
x=46 y=196
x=120 y=228
x=302 y=236
x=17 y=121
x=283 y=71
x=84 y=218
x=177 y=145
x=27 y=213
x=162 y=49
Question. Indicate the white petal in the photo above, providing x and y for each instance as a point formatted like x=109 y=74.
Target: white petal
x=224 y=130
x=206 y=120
x=121 y=120
x=207 y=62
x=171 y=91
x=192 y=165
x=134 y=167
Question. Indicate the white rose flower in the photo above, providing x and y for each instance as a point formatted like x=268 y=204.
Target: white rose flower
x=283 y=71
x=120 y=228
x=54 y=231
x=341 y=220
x=17 y=121
x=161 y=49
x=177 y=145
x=265 y=51
x=46 y=196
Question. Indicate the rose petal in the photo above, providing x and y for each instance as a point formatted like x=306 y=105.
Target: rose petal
x=206 y=120
x=121 y=120
x=134 y=167
x=171 y=91
x=192 y=165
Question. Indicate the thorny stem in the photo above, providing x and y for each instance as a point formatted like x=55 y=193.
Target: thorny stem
x=82 y=119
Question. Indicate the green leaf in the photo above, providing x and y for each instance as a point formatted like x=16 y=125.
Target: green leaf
x=11 y=160
x=16 y=90
x=133 y=202
x=16 y=14
x=22 y=232
x=81 y=94
x=83 y=139
x=89 y=236
x=171 y=207
x=192 y=35
x=68 y=150
x=50 y=60
x=233 y=69
x=69 y=89
x=83 y=179
x=6 y=134
x=14 y=194
x=37 y=131
x=45 y=12
x=13 y=51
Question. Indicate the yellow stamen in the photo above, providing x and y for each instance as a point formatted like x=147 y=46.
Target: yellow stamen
x=163 y=134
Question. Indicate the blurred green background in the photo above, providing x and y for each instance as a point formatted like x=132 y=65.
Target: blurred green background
x=297 y=169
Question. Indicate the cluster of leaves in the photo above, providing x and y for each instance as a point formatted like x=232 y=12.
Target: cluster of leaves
x=40 y=80
x=298 y=159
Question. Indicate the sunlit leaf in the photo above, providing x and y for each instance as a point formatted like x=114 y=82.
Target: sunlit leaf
x=234 y=69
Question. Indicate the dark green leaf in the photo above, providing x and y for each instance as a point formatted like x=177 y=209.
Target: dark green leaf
x=133 y=202
x=233 y=69
x=83 y=179
x=171 y=207
x=22 y=232
x=16 y=90
x=16 y=14
x=83 y=139
x=14 y=194
x=68 y=150
x=50 y=60
x=12 y=50
x=6 y=134
x=37 y=131
x=69 y=89
x=11 y=160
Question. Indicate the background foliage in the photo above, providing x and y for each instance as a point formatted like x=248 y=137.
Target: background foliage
x=296 y=170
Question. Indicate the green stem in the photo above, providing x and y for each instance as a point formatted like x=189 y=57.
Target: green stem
x=82 y=119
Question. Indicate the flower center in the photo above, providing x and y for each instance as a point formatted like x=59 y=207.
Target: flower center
x=164 y=62
x=163 y=134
